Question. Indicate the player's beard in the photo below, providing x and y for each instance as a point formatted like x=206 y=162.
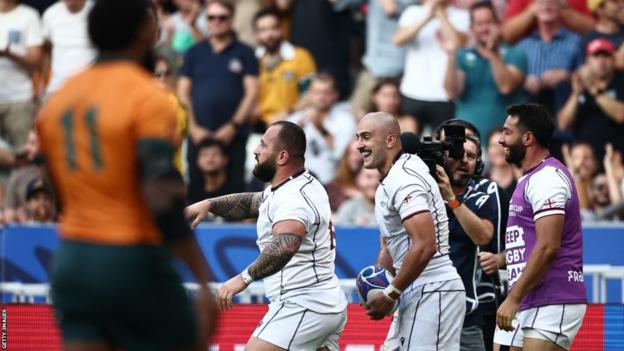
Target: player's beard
x=516 y=154
x=266 y=170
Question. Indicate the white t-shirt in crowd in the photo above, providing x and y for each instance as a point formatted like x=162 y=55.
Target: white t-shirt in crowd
x=71 y=47
x=321 y=158
x=20 y=29
x=425 y=63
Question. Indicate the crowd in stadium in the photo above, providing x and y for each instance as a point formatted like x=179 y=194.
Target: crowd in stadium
x=232 y=68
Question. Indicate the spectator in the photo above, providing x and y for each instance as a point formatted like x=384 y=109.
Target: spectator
x=486 y=78
x=499 y=170
x=285 y=70
x=361 y=210
x=39 y=203
x=553 y=53
x=218 y=86
x=595 y=108
x=323 y=27
x=211 y=162
x=581 y=161
x=614 y=170
x=343 y=186
x=26 y=170
x=186 y=27
x=165 y=76
x=328 y=129
x=600 y=197
x=386 y=97
x=608 y=26
x=382 y=58
x=67 y=41
x=20 y=56
x=521 y=17
x=424 y=30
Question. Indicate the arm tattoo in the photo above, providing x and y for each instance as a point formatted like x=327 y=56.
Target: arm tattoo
x=275 y=255
x=236 y=206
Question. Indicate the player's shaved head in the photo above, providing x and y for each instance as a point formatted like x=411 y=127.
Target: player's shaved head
x=382 y=122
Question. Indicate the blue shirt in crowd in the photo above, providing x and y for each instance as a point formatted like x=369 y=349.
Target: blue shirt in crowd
x=217 y=80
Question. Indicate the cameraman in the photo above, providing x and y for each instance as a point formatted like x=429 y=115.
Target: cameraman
x=472 y=217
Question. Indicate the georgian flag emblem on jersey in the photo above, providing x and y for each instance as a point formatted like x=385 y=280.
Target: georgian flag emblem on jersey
x=408 y=198
x=550 y=204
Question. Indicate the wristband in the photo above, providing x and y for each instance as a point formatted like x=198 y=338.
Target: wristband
x=247 y=279
x=391 y=293
x=453 y=204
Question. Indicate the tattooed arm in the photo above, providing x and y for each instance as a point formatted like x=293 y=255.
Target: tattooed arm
x=287 y=237
x=231 y=207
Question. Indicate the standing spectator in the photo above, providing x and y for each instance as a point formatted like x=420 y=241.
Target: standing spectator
x=486 y=78
x=186 y=27
x=328 y=129
x=386 y=97
x=499 y=170
x=20 y=55
x=425 y=30
x=361 y=210
x=608 y=26
x=165 y=75
x=211 y=162
x=581 y=162
x=343 y=186
x=553 y=54
x=382 y=58
x=521 y=17
x=595 y=108
x=600 y=197
x=324 y=28
x=39 y=203
x=26 y=170
x=218 y=86
x=65 y=32
x=285 y=70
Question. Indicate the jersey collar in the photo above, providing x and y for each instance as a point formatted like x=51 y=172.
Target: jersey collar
x=273 y=188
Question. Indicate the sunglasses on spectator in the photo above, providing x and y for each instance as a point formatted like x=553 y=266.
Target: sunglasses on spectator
x=220 y=18
x=599 y=186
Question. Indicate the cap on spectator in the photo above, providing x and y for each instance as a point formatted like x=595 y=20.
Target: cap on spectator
x=600 y=45
x=35 y=186
x=594 y=4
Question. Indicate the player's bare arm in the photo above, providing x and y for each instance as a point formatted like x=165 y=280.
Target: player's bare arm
x=548 y=232
x=384 y=259
x=287 y=238
x=422 y=233
x=479 y=230
x=275 y=256
x=231 y=207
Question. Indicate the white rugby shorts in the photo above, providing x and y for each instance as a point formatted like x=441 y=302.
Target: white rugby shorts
x=292 y=327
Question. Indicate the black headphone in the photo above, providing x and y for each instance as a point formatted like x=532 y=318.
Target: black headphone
x=479 y=167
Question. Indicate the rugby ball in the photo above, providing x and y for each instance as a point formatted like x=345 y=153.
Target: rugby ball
x=373 y=280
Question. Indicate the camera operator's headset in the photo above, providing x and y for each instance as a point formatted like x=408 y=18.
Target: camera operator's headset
x=467 y=125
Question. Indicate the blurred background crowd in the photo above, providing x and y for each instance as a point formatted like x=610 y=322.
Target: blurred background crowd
x=234 y=67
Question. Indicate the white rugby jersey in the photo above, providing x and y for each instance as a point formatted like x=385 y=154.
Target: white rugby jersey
x=309 y=278
x=409 y=189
